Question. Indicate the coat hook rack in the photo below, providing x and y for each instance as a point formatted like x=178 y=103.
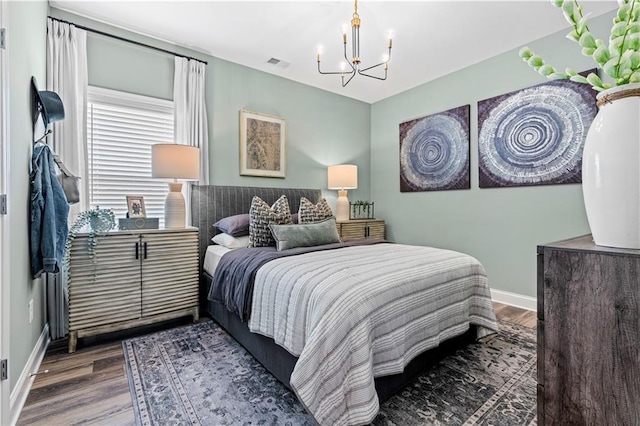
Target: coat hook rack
x=47 y=133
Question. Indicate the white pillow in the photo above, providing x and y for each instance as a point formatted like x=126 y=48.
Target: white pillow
x=231 y=242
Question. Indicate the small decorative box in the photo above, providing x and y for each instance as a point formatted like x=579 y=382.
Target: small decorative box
x=138 y=223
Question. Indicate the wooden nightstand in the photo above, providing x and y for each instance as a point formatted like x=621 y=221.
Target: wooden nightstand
x=135 y=278
x=358 y=229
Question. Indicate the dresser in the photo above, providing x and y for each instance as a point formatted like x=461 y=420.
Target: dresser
x=134 y=278
x=358 y=229
x=588 y=334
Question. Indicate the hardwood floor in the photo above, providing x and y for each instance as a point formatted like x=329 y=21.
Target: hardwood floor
x=90 y=386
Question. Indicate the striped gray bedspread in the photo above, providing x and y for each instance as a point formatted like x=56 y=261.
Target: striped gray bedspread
x=361 y=312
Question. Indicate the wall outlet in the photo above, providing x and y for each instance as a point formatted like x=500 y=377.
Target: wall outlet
x=30 y=311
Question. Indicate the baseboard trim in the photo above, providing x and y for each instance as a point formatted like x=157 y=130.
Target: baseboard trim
x=23 y=386
x=514 y=299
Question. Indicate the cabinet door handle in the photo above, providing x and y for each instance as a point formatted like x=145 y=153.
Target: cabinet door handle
x=137 y=250
x=366 y=232
x=145 y=250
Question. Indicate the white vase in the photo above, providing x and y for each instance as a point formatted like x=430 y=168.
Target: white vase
x=611 y=169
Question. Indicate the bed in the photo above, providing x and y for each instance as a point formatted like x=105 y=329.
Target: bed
x=367 y=381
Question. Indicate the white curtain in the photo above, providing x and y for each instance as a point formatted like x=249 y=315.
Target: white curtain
x=190 y=122
x=67 y=76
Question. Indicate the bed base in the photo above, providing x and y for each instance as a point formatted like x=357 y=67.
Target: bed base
x=279 y=362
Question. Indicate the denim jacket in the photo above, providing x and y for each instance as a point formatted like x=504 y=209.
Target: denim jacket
x=49 y=211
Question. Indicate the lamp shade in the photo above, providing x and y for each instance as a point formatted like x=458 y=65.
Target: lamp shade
x=342 y=176
x=175 y=161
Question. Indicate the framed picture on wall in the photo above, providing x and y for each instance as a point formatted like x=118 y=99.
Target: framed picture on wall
x=535 y=136
x=434 y=152
x=262 y=144
x=135 y=206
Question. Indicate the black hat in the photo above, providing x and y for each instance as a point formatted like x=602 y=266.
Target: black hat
x=46 y=102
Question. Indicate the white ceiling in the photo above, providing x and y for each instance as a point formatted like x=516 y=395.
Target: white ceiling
x=431 y=38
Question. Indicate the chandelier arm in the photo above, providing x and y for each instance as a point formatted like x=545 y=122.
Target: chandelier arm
x=332 y=72
x=371 y=67
x=329 y=72
x=353 y=74
x=374 y=76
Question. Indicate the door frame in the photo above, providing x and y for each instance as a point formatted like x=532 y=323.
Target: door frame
x=5 y=390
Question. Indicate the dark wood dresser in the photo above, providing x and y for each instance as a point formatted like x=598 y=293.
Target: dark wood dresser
x=588 y=334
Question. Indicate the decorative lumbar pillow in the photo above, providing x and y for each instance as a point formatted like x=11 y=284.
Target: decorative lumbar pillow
x=313 y=213
x=261 y=215
x=236 y=225
x=305 y=235
x=231 y=242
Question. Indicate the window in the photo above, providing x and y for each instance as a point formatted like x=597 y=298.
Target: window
x=121 y=128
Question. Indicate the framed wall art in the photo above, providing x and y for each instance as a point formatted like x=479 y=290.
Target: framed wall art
x=434 y=152
x=535 y=136
x=262 y=144
x=135 y=206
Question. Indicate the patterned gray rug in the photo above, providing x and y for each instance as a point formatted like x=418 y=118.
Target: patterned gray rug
x=199 y=375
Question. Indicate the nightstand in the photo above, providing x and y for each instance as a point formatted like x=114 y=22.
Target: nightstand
x=359 y=229
x=135 y=278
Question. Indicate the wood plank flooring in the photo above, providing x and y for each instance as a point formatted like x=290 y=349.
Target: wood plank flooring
x=90 y=386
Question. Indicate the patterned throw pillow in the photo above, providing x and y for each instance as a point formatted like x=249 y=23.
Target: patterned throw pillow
x=261 y=215
x=313 y=213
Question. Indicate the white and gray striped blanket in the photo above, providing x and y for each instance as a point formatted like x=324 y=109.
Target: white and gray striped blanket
x=361 y=312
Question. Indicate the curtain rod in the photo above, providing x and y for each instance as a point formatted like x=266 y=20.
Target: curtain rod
x=137 y=43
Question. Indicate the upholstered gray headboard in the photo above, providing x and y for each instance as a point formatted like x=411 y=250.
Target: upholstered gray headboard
x=210 y=203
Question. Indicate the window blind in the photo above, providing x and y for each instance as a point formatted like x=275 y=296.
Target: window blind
x=121 y=128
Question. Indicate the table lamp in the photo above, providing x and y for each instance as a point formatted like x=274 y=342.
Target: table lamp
x=175 y=161
x=342 y=177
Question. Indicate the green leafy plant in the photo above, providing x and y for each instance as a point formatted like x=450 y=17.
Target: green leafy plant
x=97 y=220
x=619 y=59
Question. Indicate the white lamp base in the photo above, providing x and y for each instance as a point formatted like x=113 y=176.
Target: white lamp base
x=342 y=207
x=174 y=207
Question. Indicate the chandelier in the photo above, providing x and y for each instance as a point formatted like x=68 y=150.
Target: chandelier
x=355 y=62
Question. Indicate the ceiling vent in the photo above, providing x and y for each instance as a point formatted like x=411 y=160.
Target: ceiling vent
x=278 y=62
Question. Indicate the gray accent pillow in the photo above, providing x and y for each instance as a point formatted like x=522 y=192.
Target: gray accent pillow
x=236 y=225
x=312 y=213
x=261 y=215
x=305 y=235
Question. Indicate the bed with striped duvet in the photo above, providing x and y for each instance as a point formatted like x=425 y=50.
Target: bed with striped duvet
x=360 y=312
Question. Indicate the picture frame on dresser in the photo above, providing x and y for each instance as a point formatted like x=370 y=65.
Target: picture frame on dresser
x=135 y=206
x=262 y=144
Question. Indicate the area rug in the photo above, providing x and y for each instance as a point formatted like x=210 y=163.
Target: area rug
x=199 y=375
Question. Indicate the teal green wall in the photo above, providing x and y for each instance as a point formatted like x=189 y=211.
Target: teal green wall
x=500 y=227
x=323 y=128
x=26 y=53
